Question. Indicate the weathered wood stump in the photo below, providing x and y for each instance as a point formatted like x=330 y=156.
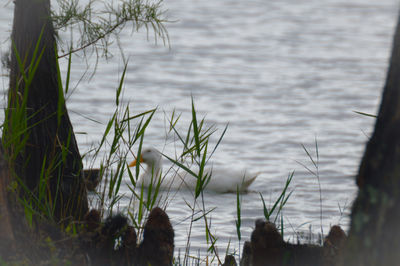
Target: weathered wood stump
x=267 y=247
x=99 y=241
x=157 y=247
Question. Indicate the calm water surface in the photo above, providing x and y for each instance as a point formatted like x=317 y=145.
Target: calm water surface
x=281 y=74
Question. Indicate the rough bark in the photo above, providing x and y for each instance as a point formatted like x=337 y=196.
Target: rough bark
x=374 y=237
x=50 y=138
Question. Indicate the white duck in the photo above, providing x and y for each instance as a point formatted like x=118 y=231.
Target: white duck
x=222 y=180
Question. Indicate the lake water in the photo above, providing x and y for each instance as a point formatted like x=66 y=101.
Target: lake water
x=281 y=73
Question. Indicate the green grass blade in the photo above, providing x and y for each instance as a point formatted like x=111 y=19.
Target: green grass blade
x=365 y=114
x=195 y=129
x=139 y=154
x=219 y=140
x=141 y=131
x=238 y=213
x=309 y=156
x=121 y=82
x=68 y=77
x=180 y=165
x=266 y=212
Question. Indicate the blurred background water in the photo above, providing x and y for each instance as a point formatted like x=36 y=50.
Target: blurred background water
x=281 y=73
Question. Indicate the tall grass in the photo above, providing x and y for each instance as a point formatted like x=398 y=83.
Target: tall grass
x=196 y=149
x=277 y=206
x=238 y=221
x=15 y=133
x=123 y=132
x=315 y=173
x=124 y=136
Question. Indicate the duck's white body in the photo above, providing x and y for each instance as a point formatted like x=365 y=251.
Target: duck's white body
x=222 y=180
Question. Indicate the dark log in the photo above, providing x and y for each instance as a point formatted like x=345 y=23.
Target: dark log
x=374 y=237
x=50 y=140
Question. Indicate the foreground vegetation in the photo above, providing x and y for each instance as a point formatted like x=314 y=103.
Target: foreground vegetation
x=42 y=169
x=42 y=175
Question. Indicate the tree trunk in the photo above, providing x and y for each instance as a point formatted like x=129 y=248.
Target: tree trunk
x=7 y=238
x=374 y=237
x=49 y=151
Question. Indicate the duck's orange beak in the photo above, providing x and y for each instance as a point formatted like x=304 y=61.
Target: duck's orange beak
x=132 y=164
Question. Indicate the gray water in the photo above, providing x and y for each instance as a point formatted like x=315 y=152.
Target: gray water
x=281 y=73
